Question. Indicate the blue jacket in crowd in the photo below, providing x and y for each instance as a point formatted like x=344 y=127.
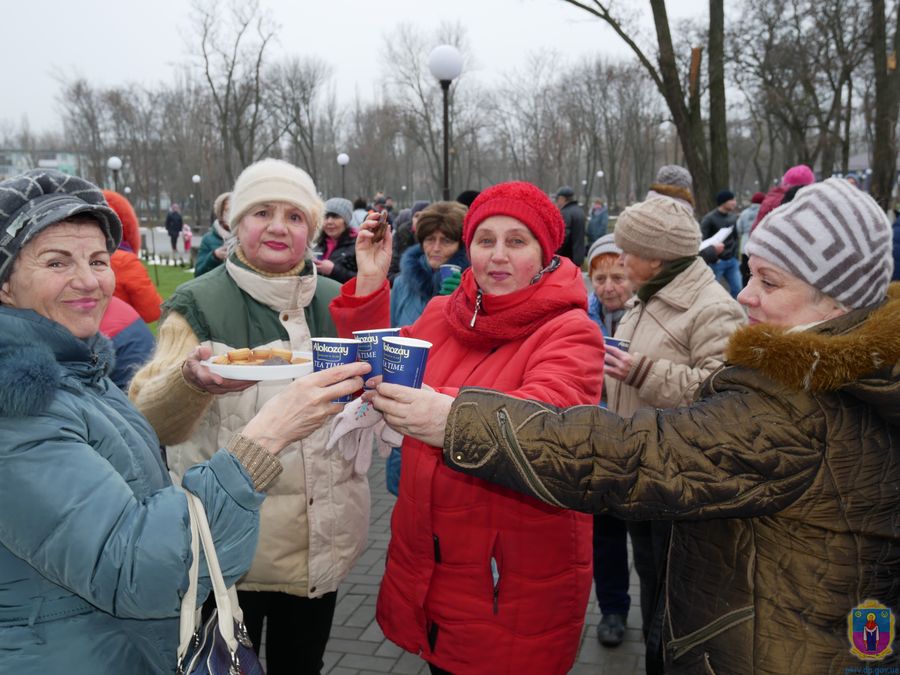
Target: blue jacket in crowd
x=417 y=283
x=94 y=539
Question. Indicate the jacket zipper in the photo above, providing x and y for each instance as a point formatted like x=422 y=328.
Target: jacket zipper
x=477 y=307
x=681 y=646
x=518 y=459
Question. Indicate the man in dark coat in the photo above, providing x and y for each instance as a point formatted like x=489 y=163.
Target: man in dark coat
x=573 y=215
x=174 y=223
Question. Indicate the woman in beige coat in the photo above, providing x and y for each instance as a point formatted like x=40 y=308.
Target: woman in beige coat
x=678 y=326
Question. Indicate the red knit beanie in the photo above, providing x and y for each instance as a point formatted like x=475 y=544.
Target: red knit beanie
x=524 y=202
x=130 y=232
x=758 y=198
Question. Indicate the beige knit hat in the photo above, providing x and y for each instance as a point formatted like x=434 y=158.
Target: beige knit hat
x=273 y=180
x=658 y=229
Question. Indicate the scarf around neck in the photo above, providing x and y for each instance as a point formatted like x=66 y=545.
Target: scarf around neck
x=661 y=280
x=484 y=321
x=286 y=294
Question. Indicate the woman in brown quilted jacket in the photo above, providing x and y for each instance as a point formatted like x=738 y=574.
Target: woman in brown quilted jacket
x=782 y=479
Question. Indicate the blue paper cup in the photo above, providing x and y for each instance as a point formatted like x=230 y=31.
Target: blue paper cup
x=403 y=360
x=448 y=270
x=618 y=344
x=370 y=346
x=330 y=352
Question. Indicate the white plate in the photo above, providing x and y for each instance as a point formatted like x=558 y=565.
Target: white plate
x=259 y=373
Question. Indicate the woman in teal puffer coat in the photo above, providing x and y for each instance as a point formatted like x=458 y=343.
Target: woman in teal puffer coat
x=94 y=538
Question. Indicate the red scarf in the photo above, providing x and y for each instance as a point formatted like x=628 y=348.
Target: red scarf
x=506 y=318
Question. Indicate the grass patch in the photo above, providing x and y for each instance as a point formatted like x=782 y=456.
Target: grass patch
x=167 y=278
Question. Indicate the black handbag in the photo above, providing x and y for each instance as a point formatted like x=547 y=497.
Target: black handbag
x=221 y=646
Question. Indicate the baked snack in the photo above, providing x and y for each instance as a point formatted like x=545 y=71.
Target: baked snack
x=259 y=357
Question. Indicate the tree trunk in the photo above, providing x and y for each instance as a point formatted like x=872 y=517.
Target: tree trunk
x=718 y=130
x=884 y=156
x=689 y=126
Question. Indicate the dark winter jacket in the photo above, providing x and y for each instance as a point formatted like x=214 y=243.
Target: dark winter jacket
x=782 y=482
x=573 y=244
x=416 y=284
x=343 y=256
x=206 y=256
x=94 y=539
x=714 y=221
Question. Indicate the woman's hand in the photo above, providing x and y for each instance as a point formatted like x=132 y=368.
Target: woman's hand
x=420 y=413
x=616 y=363
x=324 y=267
x=303 y=406
x=201 y=377
x=221 y=253
x=373 y=259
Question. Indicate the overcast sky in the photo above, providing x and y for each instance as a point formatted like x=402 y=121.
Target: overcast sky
x=116 y=41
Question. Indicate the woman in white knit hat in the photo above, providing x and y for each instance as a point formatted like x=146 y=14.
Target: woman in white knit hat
x=267 y=294
x=781 y=479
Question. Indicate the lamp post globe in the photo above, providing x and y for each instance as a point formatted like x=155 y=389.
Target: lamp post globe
x=343 y=159
x=114 y=164
x=127 y=190
x=445 y=63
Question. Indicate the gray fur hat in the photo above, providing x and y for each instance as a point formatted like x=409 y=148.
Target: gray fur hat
x=340 y=207
x=34 y=200
x=672 y=174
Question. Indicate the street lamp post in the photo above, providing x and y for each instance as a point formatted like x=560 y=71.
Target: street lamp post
x=600 y=182
x=114 y=164
x=195 y=179
x=445 y=63
x=343 y=159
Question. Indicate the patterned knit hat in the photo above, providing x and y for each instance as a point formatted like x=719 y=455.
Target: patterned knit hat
x=835 y=238
x=273 y=180
x=658 y=229
x=33 y=201
x=524 y=202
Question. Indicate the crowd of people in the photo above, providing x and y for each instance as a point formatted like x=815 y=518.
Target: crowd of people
x=719 y=388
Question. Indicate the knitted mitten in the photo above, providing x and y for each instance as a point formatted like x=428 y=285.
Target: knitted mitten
x=356 y=430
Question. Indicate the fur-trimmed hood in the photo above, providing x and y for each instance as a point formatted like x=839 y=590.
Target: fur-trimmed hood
x=423 y=281
x=37 y=355
x=857 y=353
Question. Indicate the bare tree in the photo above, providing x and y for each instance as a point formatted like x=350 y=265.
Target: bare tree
x=295 y=87
x=233 y=46
x=684 y=107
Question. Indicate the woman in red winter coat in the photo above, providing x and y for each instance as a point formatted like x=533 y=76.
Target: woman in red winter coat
x=133 y=284
x=478 y=578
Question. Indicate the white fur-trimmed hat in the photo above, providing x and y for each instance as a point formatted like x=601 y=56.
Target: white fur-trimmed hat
x=274 y=180
x=834 y=237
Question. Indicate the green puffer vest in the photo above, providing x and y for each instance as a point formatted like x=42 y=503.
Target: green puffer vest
x=315 y=519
